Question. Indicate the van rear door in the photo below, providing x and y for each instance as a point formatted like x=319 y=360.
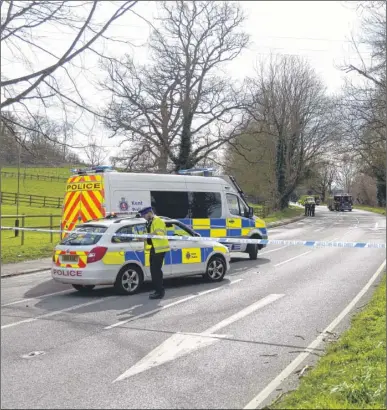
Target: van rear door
x=84 y=200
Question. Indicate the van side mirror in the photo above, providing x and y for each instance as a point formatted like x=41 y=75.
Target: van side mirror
x=251 y=211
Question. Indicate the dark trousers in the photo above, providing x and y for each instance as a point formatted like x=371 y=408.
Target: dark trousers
x=156 y=263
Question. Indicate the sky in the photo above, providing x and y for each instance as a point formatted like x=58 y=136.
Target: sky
x=320 y=31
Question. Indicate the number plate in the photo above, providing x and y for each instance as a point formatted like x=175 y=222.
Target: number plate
x=69 y=258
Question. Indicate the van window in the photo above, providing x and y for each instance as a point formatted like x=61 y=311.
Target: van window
x=236 y=206
x=205 y=205
x=172 y=204
x=233 y=204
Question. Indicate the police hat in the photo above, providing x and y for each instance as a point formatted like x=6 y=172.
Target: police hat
x=144 y=211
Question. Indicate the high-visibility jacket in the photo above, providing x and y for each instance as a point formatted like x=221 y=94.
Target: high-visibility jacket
x=158 y=227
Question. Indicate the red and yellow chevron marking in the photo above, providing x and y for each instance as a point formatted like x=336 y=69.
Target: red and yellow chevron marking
x=83 y=200
x=82 y=259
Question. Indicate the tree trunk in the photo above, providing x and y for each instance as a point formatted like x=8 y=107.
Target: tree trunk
x=381 y=191
x=185 y=160
x=281 y=173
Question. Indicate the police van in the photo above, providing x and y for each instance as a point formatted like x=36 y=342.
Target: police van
x=212 y=206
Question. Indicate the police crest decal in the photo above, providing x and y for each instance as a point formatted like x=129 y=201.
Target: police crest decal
x=123 y=205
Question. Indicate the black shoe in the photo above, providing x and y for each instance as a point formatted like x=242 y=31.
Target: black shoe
x=157 y=295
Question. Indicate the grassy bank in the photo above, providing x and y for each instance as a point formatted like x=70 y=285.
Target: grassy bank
x=290 y=212
x=36 y=245
x=377 y=210
x=352 y=375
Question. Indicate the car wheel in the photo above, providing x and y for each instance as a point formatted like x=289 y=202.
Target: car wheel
x=216 y=269
x=84 y=288
x=253 y=251
x=129 y=280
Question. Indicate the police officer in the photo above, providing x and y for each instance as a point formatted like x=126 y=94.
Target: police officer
x=158 y=249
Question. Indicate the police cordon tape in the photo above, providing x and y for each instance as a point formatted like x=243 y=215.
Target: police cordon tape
x=313 y=244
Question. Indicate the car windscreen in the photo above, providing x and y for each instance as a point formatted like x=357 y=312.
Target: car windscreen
x=84 y=236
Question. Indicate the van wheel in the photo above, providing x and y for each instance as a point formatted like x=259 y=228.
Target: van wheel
x=253 y=251
x=129 y=280
x=216 y=269
x=84 y=288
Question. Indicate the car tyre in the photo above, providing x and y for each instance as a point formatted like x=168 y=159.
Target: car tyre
x=84 y=288
x=216 y=269
x=129 y=280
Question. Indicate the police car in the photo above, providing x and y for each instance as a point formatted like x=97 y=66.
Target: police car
x=98 y=253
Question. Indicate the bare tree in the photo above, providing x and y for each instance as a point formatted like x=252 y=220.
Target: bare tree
x=347 y=172
x=30 y=91
x=289 y=104
x=324 y=174
x=95 y=153
x=363 y=106
x=179 y=108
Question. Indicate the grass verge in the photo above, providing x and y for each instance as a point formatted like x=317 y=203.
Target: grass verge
x=352 y=374
x=290 y=212
x=377 y=210
x=36 y=245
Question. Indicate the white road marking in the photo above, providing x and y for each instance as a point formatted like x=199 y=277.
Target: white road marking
x=56 y=312
x=273 y=250
x=291 y=259
x=274 y=384
x=320 y=229
x=376 y=227
x=177 y=302
x=37 y=297
x=182 y=344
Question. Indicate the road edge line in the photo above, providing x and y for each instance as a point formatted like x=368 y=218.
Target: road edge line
x=277 y=381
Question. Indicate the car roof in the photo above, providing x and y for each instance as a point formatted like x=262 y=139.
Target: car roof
x=107 y=222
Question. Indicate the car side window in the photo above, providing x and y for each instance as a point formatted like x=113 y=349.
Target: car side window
x=177 y=230
x=117 y=238
x=233 y=204
x=139 y=229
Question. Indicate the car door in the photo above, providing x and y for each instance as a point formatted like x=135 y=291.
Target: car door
x=133 y=248
x=187 y=256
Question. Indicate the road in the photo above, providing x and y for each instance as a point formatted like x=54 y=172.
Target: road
x=204 y=345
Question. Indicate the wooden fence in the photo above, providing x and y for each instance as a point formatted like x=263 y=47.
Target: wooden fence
x=25 y=221
x=31 y=200
x=39 y=177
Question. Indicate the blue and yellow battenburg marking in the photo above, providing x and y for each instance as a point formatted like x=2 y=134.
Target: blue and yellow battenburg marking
x=222 y=227
x=176 y=257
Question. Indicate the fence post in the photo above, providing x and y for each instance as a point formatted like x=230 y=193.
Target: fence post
x=22 y=232
x=51 y=227
x=44 y=201
x=30 y=200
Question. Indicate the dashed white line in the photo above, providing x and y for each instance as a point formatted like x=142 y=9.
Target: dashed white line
x=274 y=384
x=291 y=259
x=273 y=250
x=56 y=312
x=177 y=302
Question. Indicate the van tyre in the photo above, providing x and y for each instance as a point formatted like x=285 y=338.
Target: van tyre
x=253 y=251
x=84 y=288
x=216 y=269
x=129 y=280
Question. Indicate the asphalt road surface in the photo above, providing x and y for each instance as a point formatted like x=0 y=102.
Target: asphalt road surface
x=226 y=345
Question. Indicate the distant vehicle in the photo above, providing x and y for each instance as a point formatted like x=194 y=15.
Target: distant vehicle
x=317 y=199
x=340 y=203
x=310 y=205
